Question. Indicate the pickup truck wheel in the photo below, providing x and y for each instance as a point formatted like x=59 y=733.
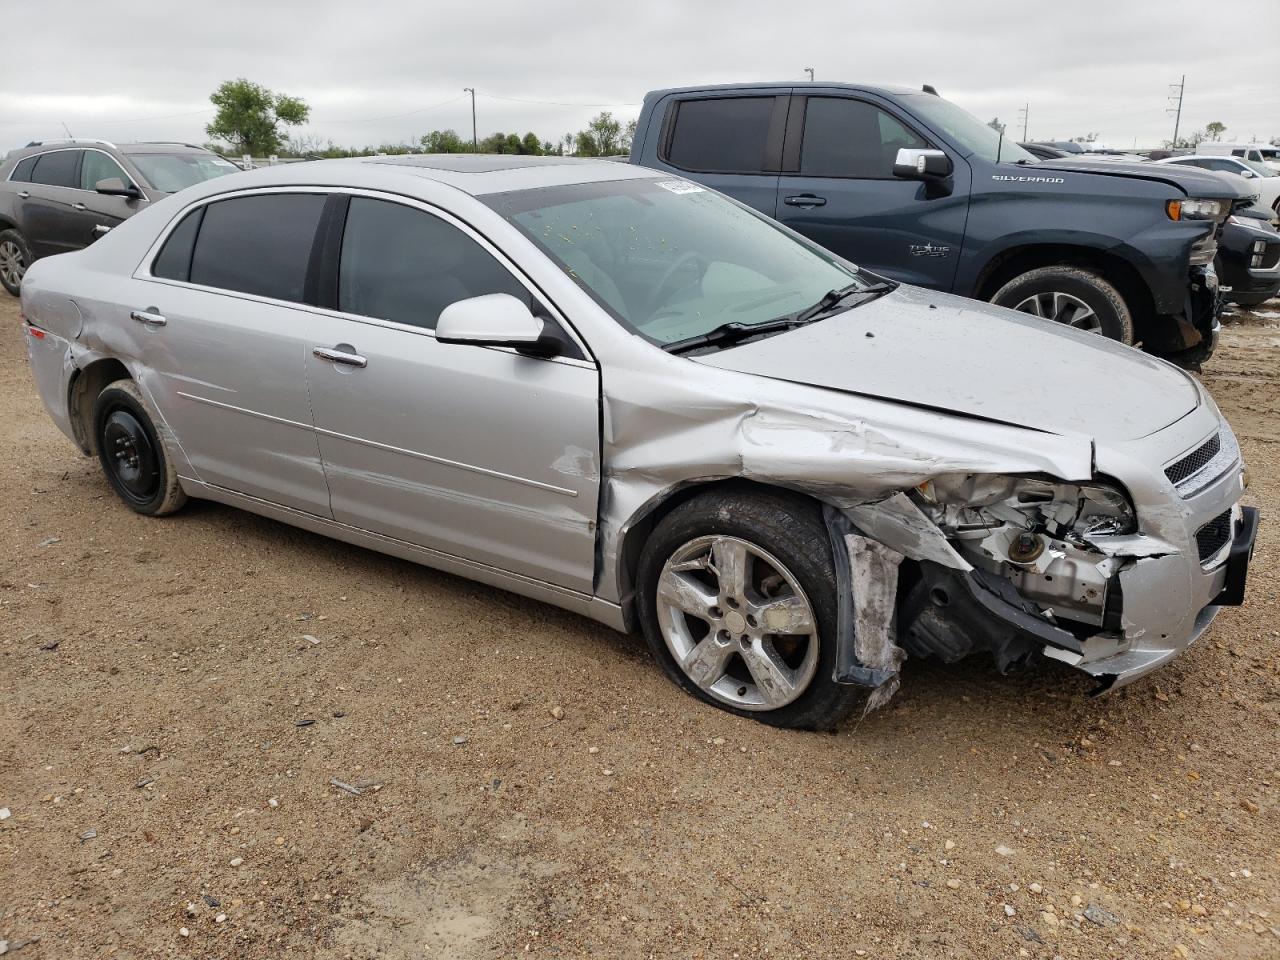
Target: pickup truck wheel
x=15 y=257
x=132 y=456
x=1070 y=295
x=737 y=594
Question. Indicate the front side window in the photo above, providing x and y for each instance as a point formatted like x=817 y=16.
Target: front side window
x=57 y=169
x=969 y=133
x=257 y=244
x=171 y=172
x=721 y=135
x=851 y=138
x=403 y=264
x=98 y=166
x=671 y=260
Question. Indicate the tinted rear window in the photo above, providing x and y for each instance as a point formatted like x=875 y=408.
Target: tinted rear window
x=22 y=172
x=259 y=245
x=724 y=135
x=174 y=261
x=57 y=169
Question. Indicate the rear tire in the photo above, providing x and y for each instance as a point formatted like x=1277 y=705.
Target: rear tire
x=15 y=258
x=754 y=659
x=1072 y=296
x=131 y=454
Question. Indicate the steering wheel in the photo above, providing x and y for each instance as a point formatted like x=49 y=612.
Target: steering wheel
x=682 y=262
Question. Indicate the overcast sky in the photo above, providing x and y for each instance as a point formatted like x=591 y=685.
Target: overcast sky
x=379 y=71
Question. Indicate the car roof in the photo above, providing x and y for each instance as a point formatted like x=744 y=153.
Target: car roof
x=883 y=89
x=474 y=174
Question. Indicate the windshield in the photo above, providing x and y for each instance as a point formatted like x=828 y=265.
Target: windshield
x=968 y=132
x=671 y=260
x=172 y=172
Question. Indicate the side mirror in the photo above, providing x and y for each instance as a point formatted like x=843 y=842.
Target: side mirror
x=495 y=320
x=1248 y=174
x=115 y=187
x=922 y=165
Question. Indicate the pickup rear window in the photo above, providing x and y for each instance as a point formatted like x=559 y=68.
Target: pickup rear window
x=720 y=134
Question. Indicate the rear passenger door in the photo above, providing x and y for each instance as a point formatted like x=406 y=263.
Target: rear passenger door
x=731 y=143
x=480 y=453
x=219 y=326
x=48 y=214
x=838 y=188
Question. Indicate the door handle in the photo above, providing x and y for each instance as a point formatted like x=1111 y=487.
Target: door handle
x=804 y=200
x=149 y=316
x=339 y=356
x=24 y=194
x=78 y=206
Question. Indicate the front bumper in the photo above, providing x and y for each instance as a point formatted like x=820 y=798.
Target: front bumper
x=1188 y=339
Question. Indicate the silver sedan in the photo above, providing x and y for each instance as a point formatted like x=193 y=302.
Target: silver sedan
x=626 y=395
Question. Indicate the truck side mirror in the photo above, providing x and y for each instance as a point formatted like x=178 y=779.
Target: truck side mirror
x=922 y=165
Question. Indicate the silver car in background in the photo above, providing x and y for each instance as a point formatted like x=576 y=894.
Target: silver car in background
x=626 y=395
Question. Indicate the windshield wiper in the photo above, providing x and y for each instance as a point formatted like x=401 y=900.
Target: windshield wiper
x=832 y=298
x=735 y=332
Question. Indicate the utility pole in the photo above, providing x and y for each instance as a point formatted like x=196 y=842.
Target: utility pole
x=1180 y=86
x=809 y=71
x=1025 y=113
x=475 y=143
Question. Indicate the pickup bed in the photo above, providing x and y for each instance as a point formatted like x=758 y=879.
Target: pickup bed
x=906 y=184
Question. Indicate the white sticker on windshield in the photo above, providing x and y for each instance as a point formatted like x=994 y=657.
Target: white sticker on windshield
x=679 y=186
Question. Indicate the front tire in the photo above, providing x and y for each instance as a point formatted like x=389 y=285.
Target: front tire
x=131 y=454
x=15 y=258
x=1070 y=295
x=738 y=604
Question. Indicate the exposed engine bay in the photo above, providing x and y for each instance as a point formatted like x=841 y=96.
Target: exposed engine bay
x=1043 y=536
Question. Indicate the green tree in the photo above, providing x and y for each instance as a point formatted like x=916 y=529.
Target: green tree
x=602 y=138
x=250 y=116
x=531 y=144
x=1215 y=130
x=445 y=141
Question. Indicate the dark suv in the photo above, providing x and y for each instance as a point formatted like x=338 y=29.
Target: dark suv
x=61 y=195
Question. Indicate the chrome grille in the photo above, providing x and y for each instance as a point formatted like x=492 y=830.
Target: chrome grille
x=1194 y=461
x=1214 y=535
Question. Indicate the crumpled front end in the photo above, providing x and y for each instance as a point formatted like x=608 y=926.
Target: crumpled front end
x=1112 y=579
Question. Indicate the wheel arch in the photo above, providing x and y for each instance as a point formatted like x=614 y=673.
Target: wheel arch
x=86 y=383
x=641 y=525
x=1112 y=267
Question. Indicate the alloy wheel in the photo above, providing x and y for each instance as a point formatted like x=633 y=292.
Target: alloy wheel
x=12 y=263
x=738 y=623
x=1062 y=308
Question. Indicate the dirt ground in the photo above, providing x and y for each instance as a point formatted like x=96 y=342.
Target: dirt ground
x=178 y=698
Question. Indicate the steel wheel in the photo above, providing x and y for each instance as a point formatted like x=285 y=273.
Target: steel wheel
x=1062 y=308
x=737 y=622
x=13 y=264
x=130 y=456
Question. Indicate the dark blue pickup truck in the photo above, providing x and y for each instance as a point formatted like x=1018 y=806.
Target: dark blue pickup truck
x=910 y=186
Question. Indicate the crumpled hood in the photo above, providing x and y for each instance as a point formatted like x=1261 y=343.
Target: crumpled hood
x=953 y=354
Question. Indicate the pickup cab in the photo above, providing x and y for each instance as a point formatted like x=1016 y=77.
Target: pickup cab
x=908 y=185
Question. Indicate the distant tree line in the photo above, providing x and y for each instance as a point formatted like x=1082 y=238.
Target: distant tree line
x=251 y=119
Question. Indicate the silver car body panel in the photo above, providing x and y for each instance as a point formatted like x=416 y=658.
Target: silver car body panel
x=557 y=462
